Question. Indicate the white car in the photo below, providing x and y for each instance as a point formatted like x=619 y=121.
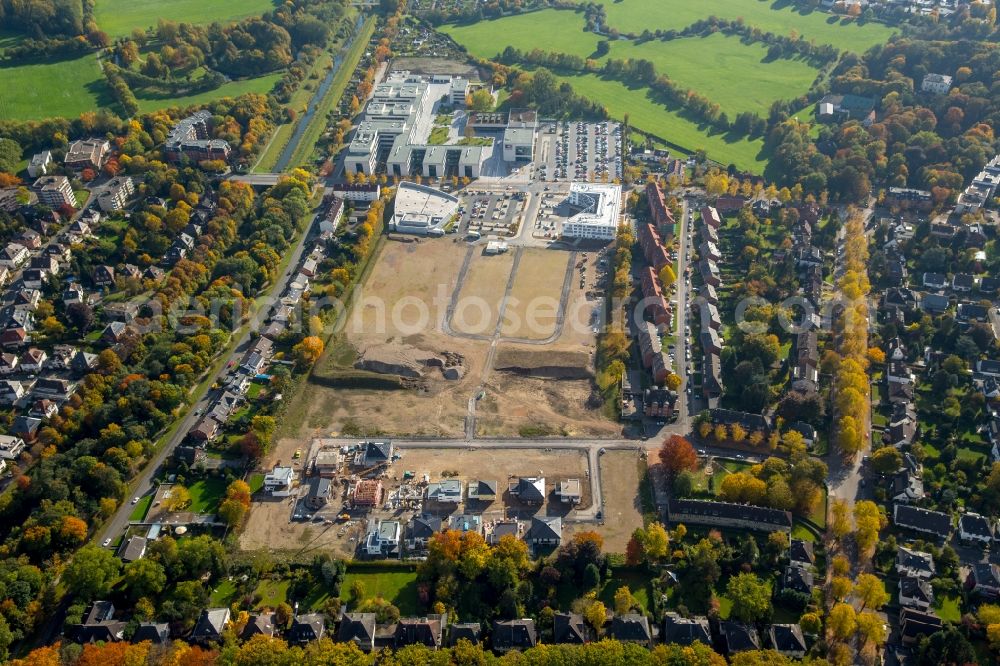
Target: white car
x=135 y=500
x=107 y=542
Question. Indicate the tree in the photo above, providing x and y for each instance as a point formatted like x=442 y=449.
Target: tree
x=73 y=530
x=743 y=488
x=81 y=316
x=677 y=454
x=876 y=355
x=624 y=601
x=810 y=623
x=144 y=577
x=10 y=155
x=886 y=460
x=840 y=587
x=179 y=498
x=947 y=646
x=871 y=590
x=91 y=573
x=841 y=621
x=667 y=276
x=480 y=100
x=841 y=523
x=308 y=351
x=751 y=598
x=239 y=491
x=655 y=541
x=871 y=628
x=596 y=614
x=673 y=381
x=108 y=362
x=591 y=576
x=231 y=512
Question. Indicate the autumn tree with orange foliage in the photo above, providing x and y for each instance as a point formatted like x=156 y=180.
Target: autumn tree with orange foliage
x=678 y=455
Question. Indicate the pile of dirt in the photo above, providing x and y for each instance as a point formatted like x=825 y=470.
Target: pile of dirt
x=544 y=363
x=407 y=361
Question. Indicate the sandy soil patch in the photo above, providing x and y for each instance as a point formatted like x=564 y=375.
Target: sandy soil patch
x=534 y=299
x=478 y=307
x=517 y=406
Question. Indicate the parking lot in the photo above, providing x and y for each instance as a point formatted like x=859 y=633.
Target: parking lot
x=580 y=151
x=493 y=214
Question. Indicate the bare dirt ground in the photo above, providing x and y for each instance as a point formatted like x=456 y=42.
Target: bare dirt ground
x=403 y=300
x=517 y=406
x=268 y=527
x=534 y=299
x=622 y=505
x=478 y=305
x=578 y=328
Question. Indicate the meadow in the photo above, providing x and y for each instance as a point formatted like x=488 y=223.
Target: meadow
x=777 y=16
x=550 y=29
x=120 y=17
x=715 y=66
x=652 y=116
x=63 y=88
x=260 y=84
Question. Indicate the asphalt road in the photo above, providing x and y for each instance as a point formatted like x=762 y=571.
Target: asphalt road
x=143 y=483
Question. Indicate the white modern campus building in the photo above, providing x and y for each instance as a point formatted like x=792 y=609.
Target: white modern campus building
x=422 y=210
x=600 y=206
x=398 y=122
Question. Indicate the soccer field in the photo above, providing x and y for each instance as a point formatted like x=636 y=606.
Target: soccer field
x=638 y=15
x=120 y=17
x=724 y=69
x=64 y=88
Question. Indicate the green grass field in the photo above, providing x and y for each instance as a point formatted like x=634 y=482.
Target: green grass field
x=119 y=17
x=396 y=587
x=550 y=30
x=140 y=509
x=63 y=88
x=638 y=15
x=651 y=116
x=710 y=65
x=260 y=84
x=206 y=494
x=272 y=593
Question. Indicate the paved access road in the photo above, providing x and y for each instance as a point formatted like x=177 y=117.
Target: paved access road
x=143 y=483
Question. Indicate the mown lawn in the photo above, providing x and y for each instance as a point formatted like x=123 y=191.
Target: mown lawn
x=140 y=509
x=649 y=115
x=261 y=84
x=206 y=495
x=555 y=30
x=52 y=89
x=272 y=592
x=800 y=531
x=637 y=582
x=715 y=66
x=397 y=587
x=120 y=17
x=224 y=594
x=781 y=18
x=948 y=608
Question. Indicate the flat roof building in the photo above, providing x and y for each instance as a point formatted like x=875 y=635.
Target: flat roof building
x=600 y=212
x=422 y=210
x=397 y=124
